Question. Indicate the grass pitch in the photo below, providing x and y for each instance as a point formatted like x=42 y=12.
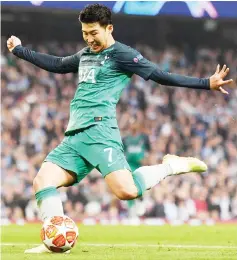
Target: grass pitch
x=129 y=243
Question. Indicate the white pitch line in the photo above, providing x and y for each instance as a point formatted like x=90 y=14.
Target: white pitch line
x=161 y=245
x=18 y=244
x=133 y=245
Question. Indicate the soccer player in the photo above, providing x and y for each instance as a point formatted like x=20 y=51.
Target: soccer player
x=136 y=145
x=92 y=138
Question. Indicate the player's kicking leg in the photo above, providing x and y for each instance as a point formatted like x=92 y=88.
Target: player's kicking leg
x=127 y=186
x=45 y=184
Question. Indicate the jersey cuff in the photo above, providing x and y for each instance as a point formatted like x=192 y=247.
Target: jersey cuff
x=16 y=49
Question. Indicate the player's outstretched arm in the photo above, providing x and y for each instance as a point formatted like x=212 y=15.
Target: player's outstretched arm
x=215 y=82
x=47 y=62
x=131 y=61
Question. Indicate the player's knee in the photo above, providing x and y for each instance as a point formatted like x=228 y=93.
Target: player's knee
x=126 y=193
x=40 y=182
x=37 y=183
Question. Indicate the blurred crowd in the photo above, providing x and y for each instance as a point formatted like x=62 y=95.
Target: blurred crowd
x=35 y=112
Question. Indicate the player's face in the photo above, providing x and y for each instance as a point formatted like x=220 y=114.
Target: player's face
x=96 y=36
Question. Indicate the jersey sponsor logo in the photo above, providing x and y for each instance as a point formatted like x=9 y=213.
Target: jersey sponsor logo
x=134 y=149
x=87 y=75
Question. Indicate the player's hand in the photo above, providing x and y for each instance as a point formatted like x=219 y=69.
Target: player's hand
x=217 y=79
x=12 y=42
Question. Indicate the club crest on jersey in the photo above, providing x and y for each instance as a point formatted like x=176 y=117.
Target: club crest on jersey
x=106 y=58
x=87 y=75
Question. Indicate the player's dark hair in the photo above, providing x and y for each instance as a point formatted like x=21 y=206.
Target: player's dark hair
x=96 y=13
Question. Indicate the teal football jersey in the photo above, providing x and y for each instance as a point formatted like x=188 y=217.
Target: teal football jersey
x=101 y=78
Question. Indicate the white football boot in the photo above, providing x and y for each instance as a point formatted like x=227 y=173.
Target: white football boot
x=41 y=249
x=180 y=165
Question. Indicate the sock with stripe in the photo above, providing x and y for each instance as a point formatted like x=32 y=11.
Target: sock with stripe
x=147 y=177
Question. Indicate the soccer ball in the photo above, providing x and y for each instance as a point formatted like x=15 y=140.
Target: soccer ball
x=59 y=233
